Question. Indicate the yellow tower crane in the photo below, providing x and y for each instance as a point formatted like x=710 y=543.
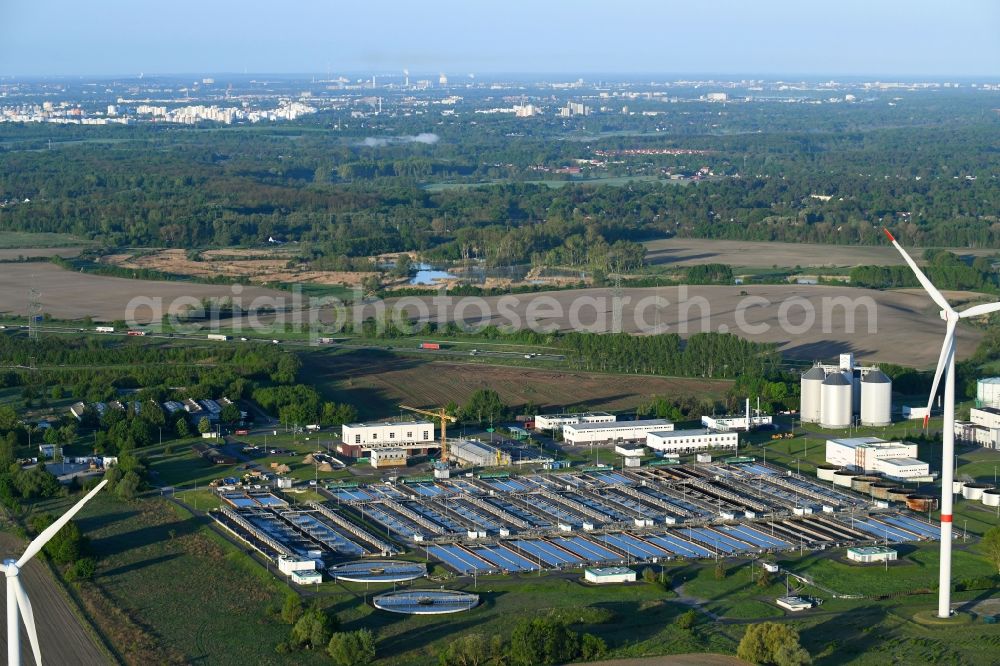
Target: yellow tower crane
x=444 y=416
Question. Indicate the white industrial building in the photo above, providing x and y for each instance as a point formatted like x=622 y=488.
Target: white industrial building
x=832 y=395
x=388 y=457
x=987 y=417
x=895 y=460
x=631 y=453
x=557 y=421
x=910 y=413
x=794 y=604
x=362 y=438
x=747 y=422
x=305 y=577
x=988 y=392
x=982 y=428
x=287 y=565
x=601 y=575
x=476 y=453
x=683 y=441
x=868 y=554
x=618 y=431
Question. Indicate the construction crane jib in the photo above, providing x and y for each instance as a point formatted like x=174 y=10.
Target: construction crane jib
x=444 y=417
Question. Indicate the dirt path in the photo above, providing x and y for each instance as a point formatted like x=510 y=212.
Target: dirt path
x=693 y=602
x=61 y=634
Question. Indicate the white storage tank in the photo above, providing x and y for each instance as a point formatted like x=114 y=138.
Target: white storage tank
x=811 y=402
x=988 y=392
x=991 y=497
x=836 y=399
x=876 y=399
x=974 y=491
x=844 y=478
x=825 y=471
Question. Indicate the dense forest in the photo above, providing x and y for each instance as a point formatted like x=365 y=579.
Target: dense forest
x=830 y=174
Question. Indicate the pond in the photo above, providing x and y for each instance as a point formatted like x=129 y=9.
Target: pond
x=428 y=274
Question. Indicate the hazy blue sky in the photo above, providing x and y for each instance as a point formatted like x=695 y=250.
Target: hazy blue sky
x=810 y=37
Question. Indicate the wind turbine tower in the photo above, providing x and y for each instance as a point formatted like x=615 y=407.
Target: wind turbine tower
x=946 y=367
x=18 y=605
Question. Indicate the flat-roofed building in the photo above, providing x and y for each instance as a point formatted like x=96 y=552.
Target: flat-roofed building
x=680 y=441
x=475 y=453
x=794 y=604
x=868 y=554
x=557 y=421
x=860 y=453
x=967 y=431
x=987 y=417
x=360 y=439
x=577 y=434
x=604 y=575
x=903 y=469
x=381 y=458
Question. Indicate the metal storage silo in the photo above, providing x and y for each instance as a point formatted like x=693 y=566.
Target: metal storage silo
x=988 y=392
x=811 y=406
x=836 y=401
x=876 y=399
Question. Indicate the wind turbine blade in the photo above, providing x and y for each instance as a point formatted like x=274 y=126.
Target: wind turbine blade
x=943 y=359
x=977 y=310
x=51 y=530
x=921 y=278
x=29 y=618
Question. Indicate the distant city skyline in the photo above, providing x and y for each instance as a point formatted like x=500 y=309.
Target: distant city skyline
x=849 y=38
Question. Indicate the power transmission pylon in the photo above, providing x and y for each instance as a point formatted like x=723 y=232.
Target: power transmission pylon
x=34 y=310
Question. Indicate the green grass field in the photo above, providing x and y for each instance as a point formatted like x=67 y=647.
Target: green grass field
x=169 y=590
x=14 y=240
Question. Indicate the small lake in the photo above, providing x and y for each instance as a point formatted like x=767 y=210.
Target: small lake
x=427 y=274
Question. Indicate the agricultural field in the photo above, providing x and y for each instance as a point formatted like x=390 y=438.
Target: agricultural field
x=69 y=295
x=262 y=266
x=755 y=254
x=18 y=254
x=378 y=382
x=888 y=326
x=24 y=240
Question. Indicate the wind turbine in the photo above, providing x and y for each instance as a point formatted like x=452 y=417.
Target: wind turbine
x=17 y=598
x=945 y=361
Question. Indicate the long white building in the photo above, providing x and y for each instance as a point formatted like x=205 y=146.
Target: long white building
x=618 y=431
x=683 y=441
x=895 y=460
x=557 y=421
